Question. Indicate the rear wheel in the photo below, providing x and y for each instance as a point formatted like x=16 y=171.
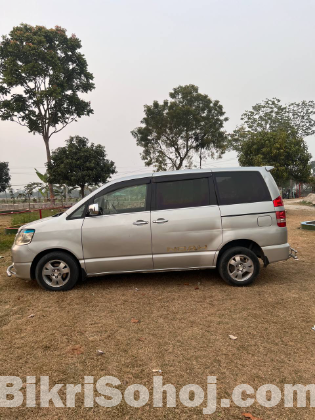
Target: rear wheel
x=239 y=266
x=57 y=271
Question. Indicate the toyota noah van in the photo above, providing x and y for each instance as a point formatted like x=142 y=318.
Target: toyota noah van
x=182 y=220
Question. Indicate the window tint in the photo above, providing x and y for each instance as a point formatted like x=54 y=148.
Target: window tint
x=241 y=187
x=179 y=194
x=125 y=200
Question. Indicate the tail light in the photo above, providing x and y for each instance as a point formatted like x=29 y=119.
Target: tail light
x=280 y=215
x=281 y=218
x=277 y=202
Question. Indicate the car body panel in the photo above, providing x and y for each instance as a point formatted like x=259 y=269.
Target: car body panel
x=114 y=243
x=189 y=238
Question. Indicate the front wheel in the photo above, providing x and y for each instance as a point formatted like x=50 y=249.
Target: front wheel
x=57 y=271
x=239 y=266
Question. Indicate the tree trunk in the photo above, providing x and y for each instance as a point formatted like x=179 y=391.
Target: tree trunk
x=82 y=191
x=51 y=188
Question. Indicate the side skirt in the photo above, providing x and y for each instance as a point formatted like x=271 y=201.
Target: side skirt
x=160 y=270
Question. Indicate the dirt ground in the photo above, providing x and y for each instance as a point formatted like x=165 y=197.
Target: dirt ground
x=185 y=320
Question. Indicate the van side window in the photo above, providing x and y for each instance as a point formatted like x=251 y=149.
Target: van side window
x=181 y=194
x=241 y=187
x=125 y=200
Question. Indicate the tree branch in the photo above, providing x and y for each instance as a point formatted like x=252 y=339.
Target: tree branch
x=65 y=125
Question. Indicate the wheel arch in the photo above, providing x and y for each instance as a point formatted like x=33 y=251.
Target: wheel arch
x=247 y=243
x=47 y=251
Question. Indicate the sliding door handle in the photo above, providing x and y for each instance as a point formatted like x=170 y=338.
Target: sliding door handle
x=160 y=221
x=140 y=222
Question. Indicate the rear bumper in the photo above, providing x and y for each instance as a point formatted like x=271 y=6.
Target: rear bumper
x=276 y=253
x=22 y=270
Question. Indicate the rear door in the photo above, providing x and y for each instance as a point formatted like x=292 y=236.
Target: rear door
x=185 y=221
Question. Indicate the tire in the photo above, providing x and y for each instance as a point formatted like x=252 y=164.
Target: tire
x=57 y=271
x=246 y=266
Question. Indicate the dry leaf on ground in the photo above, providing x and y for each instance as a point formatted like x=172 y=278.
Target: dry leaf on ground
x=77 y=349
x=250 y=416
x=135 y=321
x=232 y=337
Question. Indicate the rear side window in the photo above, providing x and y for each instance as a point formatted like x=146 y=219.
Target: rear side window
x=180 y=194
x=241 y=187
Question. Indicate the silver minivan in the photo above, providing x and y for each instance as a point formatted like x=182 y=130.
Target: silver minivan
x=181 y=220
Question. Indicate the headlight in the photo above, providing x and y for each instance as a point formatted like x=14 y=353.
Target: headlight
x=24 y=237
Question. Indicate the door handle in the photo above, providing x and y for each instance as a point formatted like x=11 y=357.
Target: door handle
x=140 y=222
x=160 y=221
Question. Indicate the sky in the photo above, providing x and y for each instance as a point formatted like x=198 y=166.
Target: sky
x=237 y=51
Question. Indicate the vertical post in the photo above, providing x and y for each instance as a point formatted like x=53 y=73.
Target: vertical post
x=299 y=190
x=40 y=213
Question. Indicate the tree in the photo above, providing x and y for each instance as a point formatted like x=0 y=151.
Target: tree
x=285 y=151
x=49 y=72
x=12 y=195
x=271 y=115
x=4 y=176
x=173 y=131
x=29 y=190
x=79 y=164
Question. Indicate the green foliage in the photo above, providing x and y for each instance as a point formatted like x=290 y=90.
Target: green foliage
x=6 y=241
x=271 y=115
x=174 y=131
x=42 y=177
x=79 y=164
x=23 y=218
x=50 y=72
x=30 y=188
x=12 y=195
x=4 y=176
x=285 y=151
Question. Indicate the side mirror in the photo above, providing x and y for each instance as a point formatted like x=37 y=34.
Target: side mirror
x=94 y=210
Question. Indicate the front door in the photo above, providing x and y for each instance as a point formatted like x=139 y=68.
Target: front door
x=119 y=239
x=185 y=223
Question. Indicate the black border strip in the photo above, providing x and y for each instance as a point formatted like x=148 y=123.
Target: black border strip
x=249 y=214
x=180 y=177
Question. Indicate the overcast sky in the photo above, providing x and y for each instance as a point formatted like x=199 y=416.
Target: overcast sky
x=237 y=51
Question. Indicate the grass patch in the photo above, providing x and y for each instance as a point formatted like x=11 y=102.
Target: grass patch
x=23 y=218
x=6 y=241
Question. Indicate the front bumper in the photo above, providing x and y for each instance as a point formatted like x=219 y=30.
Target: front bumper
x=22 y=270
x=281 y=252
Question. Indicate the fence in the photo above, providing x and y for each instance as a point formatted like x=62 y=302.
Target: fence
x=32 y=206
